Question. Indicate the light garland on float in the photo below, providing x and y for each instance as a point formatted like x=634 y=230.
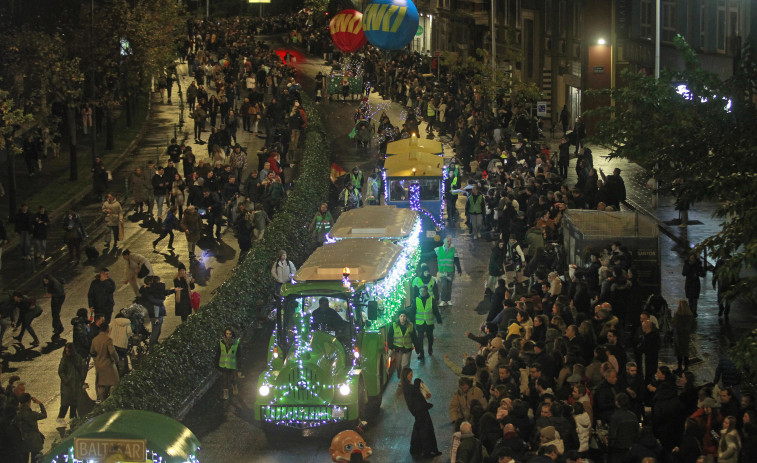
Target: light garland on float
x=415 y=204
x=152 y=456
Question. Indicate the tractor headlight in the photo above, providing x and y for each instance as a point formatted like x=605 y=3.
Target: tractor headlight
x=264 y=390
x=344 y=389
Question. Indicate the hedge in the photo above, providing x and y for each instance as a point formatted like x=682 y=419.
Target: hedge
x=178 y=365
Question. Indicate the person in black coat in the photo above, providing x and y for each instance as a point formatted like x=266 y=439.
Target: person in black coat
x=183 y=284
x=100 y=294
x=690 y=448
x=423 y=438
x=693 y=270
x=667 y=411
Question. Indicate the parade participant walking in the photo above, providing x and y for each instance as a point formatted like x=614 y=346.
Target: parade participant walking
x=401 y=339
x=447 y=261
x=113 y=219
x=282 y=271
x=169 y=223
x=72 y=374
x=426 y=312
x=474 y=209
x=322 y=223
x=73 y=235
x=184 y=283
x=137 y=267
x=57 y=295
x=27 y=310
x=106 y=359
x=228 y=361
x=100 y=294
x=424 y=278
x=693 y=270
x=350 y=197
x=423 y=438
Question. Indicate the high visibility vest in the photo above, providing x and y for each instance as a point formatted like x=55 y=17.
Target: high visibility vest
x=418 y=282
x=357 y=180
x=404 y=341
x=424 y=313
x=228 y=358
x=455 y=179
x=430 y=111
x=323 y=222
x=475 y=206
x=445 y=259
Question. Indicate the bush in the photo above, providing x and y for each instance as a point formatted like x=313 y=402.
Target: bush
x=178 y=365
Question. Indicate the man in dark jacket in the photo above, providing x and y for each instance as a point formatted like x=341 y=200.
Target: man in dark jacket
x=100 y=295
x=57 y=294
x=160 y=185
x=214 y=211
x=624 y=429
x=23 y=223
x=469 y=450
x=650 y=348
x=82 y=339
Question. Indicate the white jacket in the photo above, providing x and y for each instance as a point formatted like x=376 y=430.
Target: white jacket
x=120 y=332
x=583 y=429
x=282 y=272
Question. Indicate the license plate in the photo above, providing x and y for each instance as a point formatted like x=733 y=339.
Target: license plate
x=430 y=233
x=337 y=412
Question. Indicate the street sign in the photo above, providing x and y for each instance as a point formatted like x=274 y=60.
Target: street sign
x=98 y=449
x=541 y=109
x=419 y=32
x=258 y=1
x=599 y=69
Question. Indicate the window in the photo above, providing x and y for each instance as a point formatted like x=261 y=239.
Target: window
x=646 y=20
x=400 y=189
x=668 y=21
x=562 y=16
x=577 y=21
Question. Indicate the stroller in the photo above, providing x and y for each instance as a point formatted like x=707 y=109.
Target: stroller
x=140 y=337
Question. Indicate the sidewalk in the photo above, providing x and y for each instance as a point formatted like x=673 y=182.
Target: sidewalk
x=38 y=366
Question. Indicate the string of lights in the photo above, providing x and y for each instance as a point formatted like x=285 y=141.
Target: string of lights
x=152 y=456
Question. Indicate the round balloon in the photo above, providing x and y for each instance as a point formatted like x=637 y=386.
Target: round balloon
x=347 y=30
x=390 y=24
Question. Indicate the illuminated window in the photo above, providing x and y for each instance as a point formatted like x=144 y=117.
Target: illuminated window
x=399 y=189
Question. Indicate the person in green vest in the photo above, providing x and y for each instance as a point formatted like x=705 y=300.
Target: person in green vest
x=373 y=190
x=451 y=186
x=425 y=278
x=356 y=179
x=431 y=115
x=426 y=313
x=228 y=354
x=446 y=262
x=350 y=197
x=402 y=338
x=322 y=223
x=474 y=209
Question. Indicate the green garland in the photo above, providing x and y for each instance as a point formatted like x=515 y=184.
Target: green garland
x=179 y=364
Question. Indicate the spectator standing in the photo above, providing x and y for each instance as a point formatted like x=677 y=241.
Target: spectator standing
x=161 y=185
x=39 y=233
x=282 y=271
x=191 y=225
x=73 y=235
x=32 y=441
x=120 y=333
x=113 y=219
x=72 y=375
x=423 y=438
x=184 y=283
x=57 y=295
x=100 y=294
x=82 y=340
x=24 y=226
x=683 y=325
x=693 y=270
x=723 y=283
x=139 y=190
x=137 y=267
x=106 y=359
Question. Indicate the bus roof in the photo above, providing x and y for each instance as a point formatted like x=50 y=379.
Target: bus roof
x=406 y=145
x=368 y=260
x=425 y=165
x=375 y=222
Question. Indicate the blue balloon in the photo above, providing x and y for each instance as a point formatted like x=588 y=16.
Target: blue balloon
x=390 y=24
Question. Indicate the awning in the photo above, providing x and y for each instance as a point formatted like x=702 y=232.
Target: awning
x=166 y=438
x=414 y=164
x=406 y=145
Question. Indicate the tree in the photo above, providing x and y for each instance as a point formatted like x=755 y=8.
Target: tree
x=12 y=119
x=704 y=144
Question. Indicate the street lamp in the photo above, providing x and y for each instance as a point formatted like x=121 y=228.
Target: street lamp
x=601 y=42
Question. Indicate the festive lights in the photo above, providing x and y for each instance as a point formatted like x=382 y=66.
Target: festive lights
x=301 y=374
x=152 y=456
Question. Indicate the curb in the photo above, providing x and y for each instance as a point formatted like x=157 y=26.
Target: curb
x=94 y=227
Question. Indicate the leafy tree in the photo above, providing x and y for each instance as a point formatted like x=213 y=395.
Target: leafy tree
x=12 y=120
x=701 y=145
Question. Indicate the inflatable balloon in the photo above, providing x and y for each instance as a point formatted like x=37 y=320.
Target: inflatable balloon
x=347 y=30
x=390 y=24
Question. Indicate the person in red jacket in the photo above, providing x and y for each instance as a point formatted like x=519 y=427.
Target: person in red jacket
x=709 y=418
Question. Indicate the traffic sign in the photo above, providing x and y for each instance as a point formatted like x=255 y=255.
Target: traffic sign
x=541 y=108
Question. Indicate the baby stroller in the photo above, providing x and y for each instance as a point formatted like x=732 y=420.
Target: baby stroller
x=140 y=336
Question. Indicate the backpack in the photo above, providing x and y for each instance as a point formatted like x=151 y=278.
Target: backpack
x=303 y=117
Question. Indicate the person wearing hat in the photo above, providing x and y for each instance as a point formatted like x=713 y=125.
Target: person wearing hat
x=424 y=278
x=709 y=419
x=548 y=435
x=26 y=420
x=401 y=339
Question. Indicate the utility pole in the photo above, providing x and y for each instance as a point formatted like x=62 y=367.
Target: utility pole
x=657 y=40
x=494 y=40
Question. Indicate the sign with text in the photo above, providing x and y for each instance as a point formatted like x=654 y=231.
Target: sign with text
x=258 y=1
x=99 y=449
x=541 y=109
x=599 y=69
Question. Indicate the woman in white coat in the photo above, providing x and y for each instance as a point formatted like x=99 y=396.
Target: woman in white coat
x=283 y=270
